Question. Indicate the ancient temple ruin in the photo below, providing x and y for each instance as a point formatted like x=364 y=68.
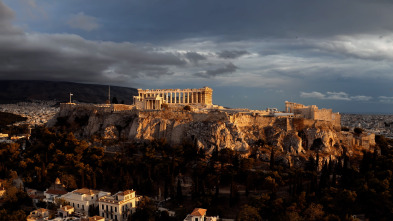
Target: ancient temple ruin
x=313 y=113
x=154 y=98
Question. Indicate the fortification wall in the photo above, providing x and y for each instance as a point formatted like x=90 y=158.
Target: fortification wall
x=336 y=120
x=122 y=107
x=247 y=119
x=322 y=114
x=212 y=116
x=304 y=112
x=96 y=107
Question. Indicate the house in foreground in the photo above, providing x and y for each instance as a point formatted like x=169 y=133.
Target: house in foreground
x=65 y=211
x=38 y=215
x=55 y=191
x=199 y=214
x=82 y=199
x=118 y=206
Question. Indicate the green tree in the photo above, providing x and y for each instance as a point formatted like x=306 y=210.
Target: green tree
x=187 y=108
x=358 y=130
x=314 y=212
x=179 y=194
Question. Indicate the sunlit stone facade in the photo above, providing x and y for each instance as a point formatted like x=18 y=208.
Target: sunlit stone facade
x=153 y=99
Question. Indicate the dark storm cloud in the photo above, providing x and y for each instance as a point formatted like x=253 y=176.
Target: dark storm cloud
x=152 y=21
x=226 y=54
x=234 y=20
x=227 y=69
x=194 y=57
x=73 y=58
x=70 y=57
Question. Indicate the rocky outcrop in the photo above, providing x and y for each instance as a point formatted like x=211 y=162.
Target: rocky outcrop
x=207 y=130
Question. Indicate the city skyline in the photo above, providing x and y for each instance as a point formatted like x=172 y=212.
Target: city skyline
x=254 y=54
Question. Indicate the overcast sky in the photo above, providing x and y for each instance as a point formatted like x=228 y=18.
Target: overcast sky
x=253 y=53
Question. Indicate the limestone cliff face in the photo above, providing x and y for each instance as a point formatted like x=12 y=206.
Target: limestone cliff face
x=239 y=131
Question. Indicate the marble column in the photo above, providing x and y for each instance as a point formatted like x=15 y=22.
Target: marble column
x=182 y=97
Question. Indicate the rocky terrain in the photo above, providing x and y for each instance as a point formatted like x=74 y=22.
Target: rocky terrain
x=243 y=132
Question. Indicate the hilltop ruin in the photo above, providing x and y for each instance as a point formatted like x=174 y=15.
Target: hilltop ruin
x=294 y=132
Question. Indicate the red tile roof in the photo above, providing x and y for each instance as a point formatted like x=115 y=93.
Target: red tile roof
x=41 y=210
x=86 y=191
x=199 y=212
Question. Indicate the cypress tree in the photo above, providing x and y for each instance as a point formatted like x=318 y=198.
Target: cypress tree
x=179 y=193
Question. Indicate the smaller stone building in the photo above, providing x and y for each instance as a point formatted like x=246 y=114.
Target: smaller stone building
x=118 y=206
x=350 y=139
x=65 y=211
x=38 y=215
x=313 y=113
x=55 y=191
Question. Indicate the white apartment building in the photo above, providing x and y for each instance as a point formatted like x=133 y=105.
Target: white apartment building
x=81 y=199
x=118 y=206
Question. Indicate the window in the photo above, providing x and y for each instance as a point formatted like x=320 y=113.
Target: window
x=103 y=215
x=115 y=209
x=83 y=207
x=78 y=205
x=102 y=206
x=111 y=208
x=106 y=207
x=116 y=217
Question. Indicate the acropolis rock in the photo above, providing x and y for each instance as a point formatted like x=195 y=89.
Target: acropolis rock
x=188 y=116
x=209 y=128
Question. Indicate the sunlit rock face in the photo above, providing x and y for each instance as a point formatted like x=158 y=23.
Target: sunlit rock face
x=243 y=132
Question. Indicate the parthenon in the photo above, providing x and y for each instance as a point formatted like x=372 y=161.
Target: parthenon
x=153 y=99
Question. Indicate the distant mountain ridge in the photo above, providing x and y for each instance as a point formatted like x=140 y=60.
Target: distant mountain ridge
x=12 y=91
